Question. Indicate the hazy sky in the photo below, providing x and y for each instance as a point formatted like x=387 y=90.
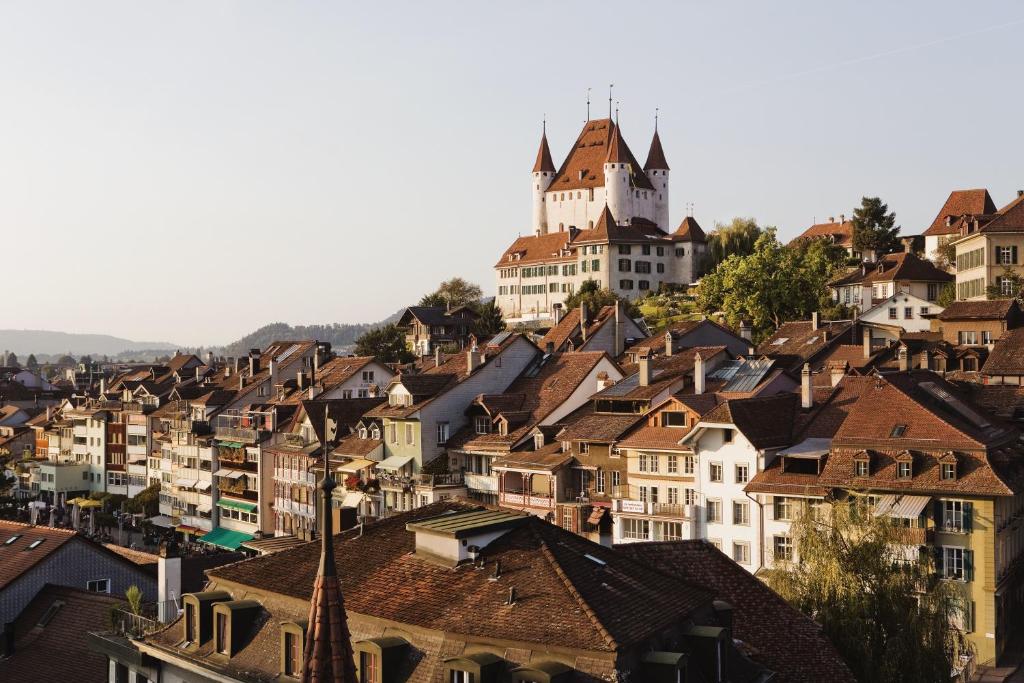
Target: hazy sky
x=188 y=171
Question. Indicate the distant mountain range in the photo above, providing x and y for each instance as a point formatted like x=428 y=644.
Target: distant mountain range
x=50 y=343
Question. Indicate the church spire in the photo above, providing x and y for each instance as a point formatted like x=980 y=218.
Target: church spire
x=544 y=163
x=327 y=656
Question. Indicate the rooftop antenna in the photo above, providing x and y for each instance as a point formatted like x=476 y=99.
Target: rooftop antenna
x=588 y=104
x=610 y=86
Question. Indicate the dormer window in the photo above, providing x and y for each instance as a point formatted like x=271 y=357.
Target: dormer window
x=375 y=433
x=584 y=447
x=861 y=466
x=947 y=466
x=538 y=441
x=482 y=424
x=904 y=470
x=293 y=636
x=362 y=432
x=378 y=659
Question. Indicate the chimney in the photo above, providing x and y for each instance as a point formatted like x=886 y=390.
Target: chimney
x=699 y=374
x=645 y=367
x=273 y=372
x=620 y=343
x=745 y=331
x=814 y=321
x=437 y=356
x=103 y=385
x=254 y=362
x=604 y=381
x=209 y=358
x=837 y=372
x=668 y=345
x=300 y=380
x=902 y=356
x=235 y=362
x=168 y=568
x=867 y=342
x=842 y=218
x=925 y=364
x=473 y=360
x=806 y=395
x=557 y=310
x=583 y=321
x=199 y=376
x=831 y=219
x=1020 y=193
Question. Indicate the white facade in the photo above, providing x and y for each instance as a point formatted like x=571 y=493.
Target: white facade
x=901 y=311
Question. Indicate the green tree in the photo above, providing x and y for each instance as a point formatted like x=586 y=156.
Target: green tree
x=874 y=228
x=146 y=502
x=595 y=297
x=386 y=343
x=889 y=617
x=12 y=360
x=134 y=597
x=32 y=364
x=490 y=322
x=947 y=294
x=773 y=284
x=454 y=292
x=1011 y=290
x=736 y=237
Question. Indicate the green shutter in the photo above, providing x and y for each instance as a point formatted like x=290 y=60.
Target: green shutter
x=1013 y=255
x=969 y=565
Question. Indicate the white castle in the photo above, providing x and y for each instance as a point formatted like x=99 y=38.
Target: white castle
x=601 y=217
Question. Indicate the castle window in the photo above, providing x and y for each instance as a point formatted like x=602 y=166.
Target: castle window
x=579 y=195
x=680 y=252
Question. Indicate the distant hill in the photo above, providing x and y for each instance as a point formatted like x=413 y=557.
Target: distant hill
x=342 y=336
x=23 y=342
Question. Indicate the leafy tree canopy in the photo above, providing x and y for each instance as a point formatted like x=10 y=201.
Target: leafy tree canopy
x=736 y=237
x=874 y=228
x=595 y=297
x=386 y=343
x=454 y=292
x=32 y=363
x=11 y=360
x=889 y=617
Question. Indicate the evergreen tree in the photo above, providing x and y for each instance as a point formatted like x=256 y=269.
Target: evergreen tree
x=490 y=322
x=874 y=229
x=11 y=361
x=32 y=364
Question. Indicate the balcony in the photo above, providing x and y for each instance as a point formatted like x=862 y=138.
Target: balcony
x=242 y=434
x=486 y=483
x=432 y=480
x=915 y=536
x=524 y=500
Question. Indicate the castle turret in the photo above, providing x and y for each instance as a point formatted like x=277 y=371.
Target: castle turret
x=543 y=174
x=617 y=173
x=657 y=170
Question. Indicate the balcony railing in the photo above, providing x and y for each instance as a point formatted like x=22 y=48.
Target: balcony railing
x=915 y=536
x=446 y=479
x=526 y=500
x=481 y=482
x=243 y=434
x=132 y=625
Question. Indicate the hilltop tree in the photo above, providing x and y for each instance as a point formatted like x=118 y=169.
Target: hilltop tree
x=490 y=322
x=454 y=292
x=874 y=228
x=736 y=237
x=595 y=297
x=888 y=616
x=386 y=344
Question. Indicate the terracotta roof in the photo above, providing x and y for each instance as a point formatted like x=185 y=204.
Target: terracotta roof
x=1007 y=356
x=544 y=162
x=345 y=411
x=352 y=445
x=689 y=231
x=536 y=249
x=143 y=559
x=16 y=558
x=995 y=309
x=648 y=436
x=607 y=229
x=656 y=155
x=584 y=165
x=1010 y=218
x=564 y=598
x=841 y=233
x=786 y=641
x=893 y=267
x=665 y=371
x=958 y=203
x=568 y=328
x=656 y=342
x=766 y=421
x=584 y=424
x=50 y=637
x=796 y=343
x=550 y=457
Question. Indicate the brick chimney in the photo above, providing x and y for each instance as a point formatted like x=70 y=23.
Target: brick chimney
x=814 y=321
x=902 y=356
x=668 y=344
x=806 y=394
x=925 y=364
x=644 y=362
x=837 y=373
x=583 y=321
x=867 y=342
x=699 y=374
x=473 y=360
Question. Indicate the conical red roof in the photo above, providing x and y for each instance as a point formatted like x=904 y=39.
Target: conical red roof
x=618 y=152
x=544 y=162
x=656 y=155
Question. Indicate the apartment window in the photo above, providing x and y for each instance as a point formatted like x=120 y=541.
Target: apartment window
x=636 y=528
x=893 y=313
x=616 y=478
x=1006 y=256
x=783 y=548
x=642 y=267
x=624 y=249
x=727 y=436
x=957 y=564
x=714 y=508
x=671 y=531
x=595 y=265
x=986 y=337
x=643 y=494
x=741 y=512
x=933 y=291
x=741 y=553
x=688 y=464
x=924 y=311
x=292 y=654
x=643 y=284
x=625 y=284
x=190 y=623
x=715 y=472
x=970 y=288
x=393 y=433
x=784 y=508
x=368 y=667
x=98 y=586
x=367 y=375
x=903 y=470
x=955 y=516
x=680 y=252
x=442 y=433
x=460 y=677
x=482 y=423
x=642 y=463
x=654 y=462
x=742 y=474
x=672 y=464
x=660 y=267
x=625 y=265
x=584 y=447
x=599 y=481
x=908 y=312
x=645 y=249
x=673 y=495
x=689 y=496
x=1005 y=285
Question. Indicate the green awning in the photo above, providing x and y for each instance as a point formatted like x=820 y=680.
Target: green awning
x=226 y=538
x=236 y=505
x=230 y=444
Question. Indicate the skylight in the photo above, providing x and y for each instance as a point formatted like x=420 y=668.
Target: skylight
x=898 y=431
x=780 y=341
x=12 y=539
x=595 y=560
x=35 y=544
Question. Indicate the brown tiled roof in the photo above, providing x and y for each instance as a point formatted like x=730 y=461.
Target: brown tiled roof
x=689 y=231
x=842 y=233
x=648 y=436
x=345 y=411
x=608 y=229
x=352 y=445
x=544 y=162
x=894 y=267
x=1010 y=218
x=143 y=559
x=995 y=309
x=796 y=343
x=568 y=328
x=656 y=342
x=958 y=203
x=59 y=650
x=16 y=559
x=584 y=424
x=550 y=458
x=583 y=167
x=766 y=421
x=666 y=371
x=1004 y=400
x=536 y=249
x=1007 y=355
x=564 y=599
x=656 y=155
x=786 y=640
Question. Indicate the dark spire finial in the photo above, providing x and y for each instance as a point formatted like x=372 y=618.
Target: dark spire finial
x=588 y=104
x=655 y=119
x=616 y=113
x=610 y=86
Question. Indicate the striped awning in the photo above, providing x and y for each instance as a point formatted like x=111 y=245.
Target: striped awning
x=394 y=463
x=901 y=507
x=236 y=505
x=230 y=474
x=356 y=465
x=185 y=482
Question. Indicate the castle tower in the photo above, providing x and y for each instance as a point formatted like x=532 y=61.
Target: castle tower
x=657 y=170
x=543 y=174
x=617 y=173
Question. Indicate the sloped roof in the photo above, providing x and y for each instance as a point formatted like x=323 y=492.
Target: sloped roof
x=1007 y=356
x=564 y=599
x=841 y=233
x=544 y=162
x=995 y=309
x=958 y=203
x=1010 y=218
x=786 y=641
x=535 y=249
x=583 y=167
x=892 y=267
x=16 y=558
x=568 y=328
x=766 y=421
x=656 y=155
x=796 y=342
x=689 y=231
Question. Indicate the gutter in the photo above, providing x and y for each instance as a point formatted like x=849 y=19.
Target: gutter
x=760 y=534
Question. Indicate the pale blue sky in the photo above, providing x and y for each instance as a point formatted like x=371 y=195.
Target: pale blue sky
x=187 y=171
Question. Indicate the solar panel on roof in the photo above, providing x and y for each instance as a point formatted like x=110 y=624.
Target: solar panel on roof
x=284 y=356
x=500 y=337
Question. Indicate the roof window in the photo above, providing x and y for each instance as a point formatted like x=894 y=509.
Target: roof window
x=898 y=431
x=35 y=544
x=12 y=539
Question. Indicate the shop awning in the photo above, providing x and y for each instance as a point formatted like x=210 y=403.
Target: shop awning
x=352 y=499
x=395 y=462
x=901 y=507
x=186 y=529
x=236 y=505
x=356 y=465
x=230 y=444
x=203 y=485
x=185 y=483
x=230 y=474
x=226 y=538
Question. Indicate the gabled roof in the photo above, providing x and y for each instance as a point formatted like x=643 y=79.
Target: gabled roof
x=958 y=203
x=840 y=233
x=583 y=167
x=568 y=328
x=438 y=315
x=995 y=309
x=797 y=342
x=1007 y=356
x=607 y=229
x=689 y=231
x=1010 y=218
x=784 y=639
x=766 y=421
x=16 y=558
x=345 y=411
x=544 y=162
x=656 y=155
x=895 y=267
x=537 y=249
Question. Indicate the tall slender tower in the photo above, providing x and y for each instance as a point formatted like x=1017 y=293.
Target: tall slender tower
x=657 y=170
x=617 y=173
x=543 y=174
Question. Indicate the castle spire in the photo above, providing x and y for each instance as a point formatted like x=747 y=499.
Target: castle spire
x=544 y=162
x=617 y=150
x=656 y=155
x=327 y=656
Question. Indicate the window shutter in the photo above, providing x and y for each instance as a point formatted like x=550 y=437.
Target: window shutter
x=997 y=259
x=937 y=507
x=969 y=565
x=968 y=509
x=1013 y=255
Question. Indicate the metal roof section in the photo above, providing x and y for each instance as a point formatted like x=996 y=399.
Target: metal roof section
x=742 y=375
x=812 y=448
x=901 y=507
x=463 y=524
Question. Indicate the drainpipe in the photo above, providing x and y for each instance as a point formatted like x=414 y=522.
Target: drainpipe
x=760 y=534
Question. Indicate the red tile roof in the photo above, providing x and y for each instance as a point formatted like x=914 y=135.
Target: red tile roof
x=16 y=558
x=995 y=309
x=896 y=267
x=689 y=231
x=583 y=167
x=1007 y=356
x=840 y=233
x=958 y=203
x=544 y=162
x=656 y=155
x=766 y=421
x=1010 y=218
